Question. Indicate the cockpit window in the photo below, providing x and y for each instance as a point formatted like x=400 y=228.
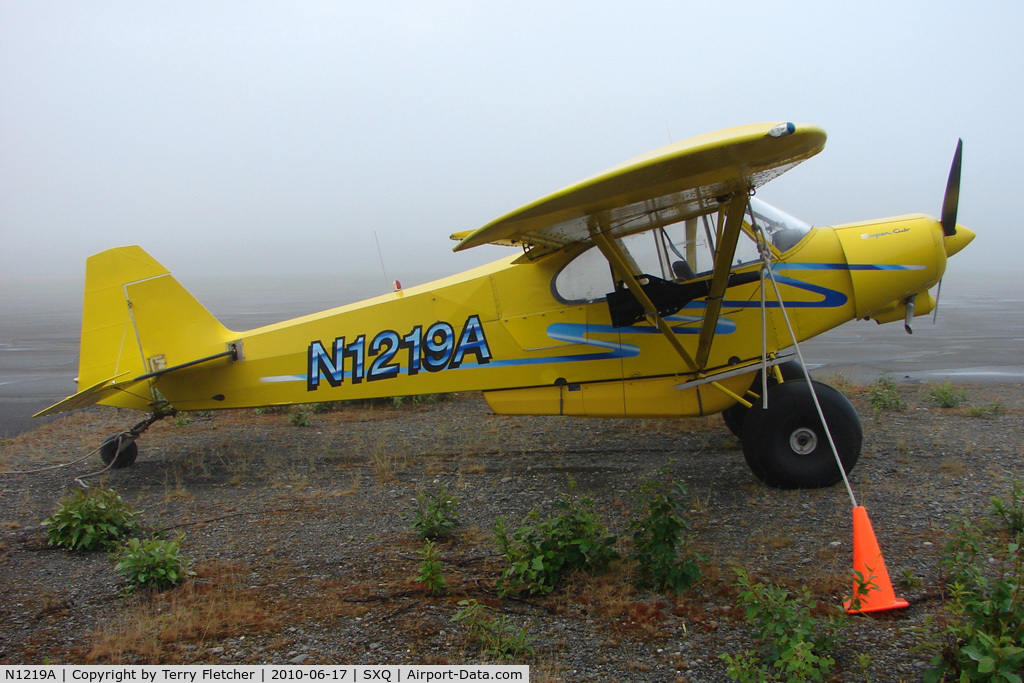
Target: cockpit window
x=679 y=252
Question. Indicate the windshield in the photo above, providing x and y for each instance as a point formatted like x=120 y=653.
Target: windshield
x=783 y=230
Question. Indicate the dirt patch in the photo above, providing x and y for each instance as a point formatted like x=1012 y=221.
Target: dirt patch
x=302 y=541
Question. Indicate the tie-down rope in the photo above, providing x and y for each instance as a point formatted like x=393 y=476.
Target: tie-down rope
x=766 y=269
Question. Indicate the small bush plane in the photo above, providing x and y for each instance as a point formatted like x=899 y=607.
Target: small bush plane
x=659 y=288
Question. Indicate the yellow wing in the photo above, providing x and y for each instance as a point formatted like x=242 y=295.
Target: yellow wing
x=680 y=181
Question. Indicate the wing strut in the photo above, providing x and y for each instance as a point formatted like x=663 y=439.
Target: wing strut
x=728 y=236
x=628 y=272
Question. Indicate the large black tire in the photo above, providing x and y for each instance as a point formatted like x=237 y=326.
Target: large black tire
x=735 y=414
x=126 y=458
x=786 y=445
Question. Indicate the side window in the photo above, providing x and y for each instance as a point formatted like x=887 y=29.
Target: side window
x=585 y=279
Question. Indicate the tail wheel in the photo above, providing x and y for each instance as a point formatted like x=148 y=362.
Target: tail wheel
x=129 y=451
x=786 y=445
x=735 y=414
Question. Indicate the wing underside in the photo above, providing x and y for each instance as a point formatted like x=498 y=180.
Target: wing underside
x=684 y=180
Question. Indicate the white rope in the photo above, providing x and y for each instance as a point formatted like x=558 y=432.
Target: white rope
x=78 y=479
x=117 y=452
x=800 y=358
x=54 y=467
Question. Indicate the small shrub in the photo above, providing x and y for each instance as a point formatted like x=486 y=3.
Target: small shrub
x=988 y=410
x=153 y=563
x=910 y=580
x=659 y=544
x=541 y=552
x=1010 y=516
x=430 y=573
x=271 y=410
x=434 y=516
x=946 y=395
x=90 y=519
x=884 y=394
x=978 y=634
x=300 y=417
x=496 y=636
x=794 y=645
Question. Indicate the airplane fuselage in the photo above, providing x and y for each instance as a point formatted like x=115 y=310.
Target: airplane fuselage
x=508 y=329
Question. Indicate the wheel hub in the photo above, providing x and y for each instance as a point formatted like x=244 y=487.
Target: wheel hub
x=803 y=441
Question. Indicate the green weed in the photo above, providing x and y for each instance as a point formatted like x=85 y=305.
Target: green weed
x=543 y=551
x=659 y=541
x=793 y=645
x=978 y=634
x=946 y=395
x=496 y=636
x=90 y=519
x=910 y=580
x=1011 y=515
x=434 y=516
x=987 y=410
x=271 y=410
x=884 y=394
x=429 y=573
x=153 y=563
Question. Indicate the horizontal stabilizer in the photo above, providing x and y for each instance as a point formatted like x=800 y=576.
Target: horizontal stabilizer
x=107 y=388
x=88 y=397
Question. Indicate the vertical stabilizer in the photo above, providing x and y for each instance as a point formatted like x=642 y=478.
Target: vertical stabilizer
x=136 y=320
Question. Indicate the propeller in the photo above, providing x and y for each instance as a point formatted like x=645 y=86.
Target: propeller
x=952 y=198
x=950 y=202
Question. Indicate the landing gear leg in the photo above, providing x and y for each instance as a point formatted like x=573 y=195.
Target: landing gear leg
x=120 y=450
x=785 y=444
x=735 y=414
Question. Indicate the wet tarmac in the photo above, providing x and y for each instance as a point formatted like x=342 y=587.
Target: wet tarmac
x=978 y=337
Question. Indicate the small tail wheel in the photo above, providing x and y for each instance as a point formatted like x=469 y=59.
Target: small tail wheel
x=786 y=445
x=735 y=414
x=121 y=457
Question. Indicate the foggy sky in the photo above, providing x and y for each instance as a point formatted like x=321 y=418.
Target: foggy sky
x=292 y=137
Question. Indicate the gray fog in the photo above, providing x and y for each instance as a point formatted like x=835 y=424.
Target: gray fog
x=287 y=138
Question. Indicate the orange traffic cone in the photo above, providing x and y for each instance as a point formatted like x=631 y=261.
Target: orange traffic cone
x=872 y=590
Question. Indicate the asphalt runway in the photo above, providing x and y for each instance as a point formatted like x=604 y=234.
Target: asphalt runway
x=978 y=337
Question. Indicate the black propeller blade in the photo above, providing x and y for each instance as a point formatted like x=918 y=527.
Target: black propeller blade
x=949 y=208
x=952 y=198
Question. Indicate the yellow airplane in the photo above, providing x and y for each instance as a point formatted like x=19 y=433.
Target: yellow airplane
x=658 y=288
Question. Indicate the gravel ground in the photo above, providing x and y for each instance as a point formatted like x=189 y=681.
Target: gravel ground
x=304 y=553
